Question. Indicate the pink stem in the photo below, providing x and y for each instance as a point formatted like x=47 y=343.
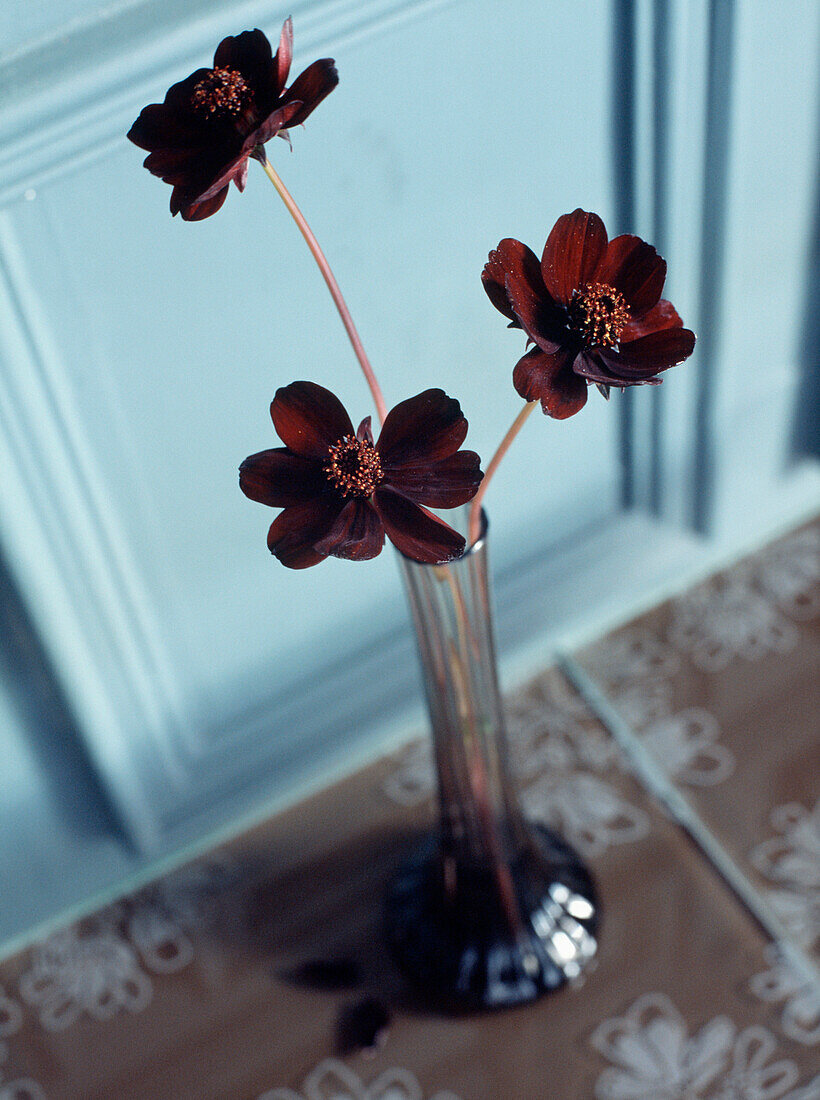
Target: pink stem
x=495 y=461
x=332 y=285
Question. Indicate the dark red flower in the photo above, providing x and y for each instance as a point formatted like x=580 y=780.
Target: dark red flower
x=200 y=138
x=593 y=309
x=341 y=492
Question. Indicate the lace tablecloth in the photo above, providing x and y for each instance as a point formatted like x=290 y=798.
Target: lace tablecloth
x=237 y=977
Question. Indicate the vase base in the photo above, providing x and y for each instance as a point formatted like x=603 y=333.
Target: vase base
x=456 y=944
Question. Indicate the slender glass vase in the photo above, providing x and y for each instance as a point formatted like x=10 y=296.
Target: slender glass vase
x=491 y=911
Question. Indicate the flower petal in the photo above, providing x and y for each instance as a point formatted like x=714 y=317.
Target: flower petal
x=572 y=253
x=592 y=366
x=309 y=419
x=444 y=484
x=424 y=428
x=527 y=295
x=550 y=380
x=635 y=268
x=417 y=533
x=197 y=211
x=650 y=354
x=493 y=280
x=279 y=478
x=173 y=166
x=661 y=316
x=240 y=178
x=161 y=127
x=364 y=432
x=317 y=81
x=284 y=55
x=250 y=54
x=277 y=120
x=357 y=534
x=294 y=532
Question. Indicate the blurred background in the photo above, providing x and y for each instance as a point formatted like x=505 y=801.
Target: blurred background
x=162 y=678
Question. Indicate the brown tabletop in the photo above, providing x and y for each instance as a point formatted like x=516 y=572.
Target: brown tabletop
x=258 y=972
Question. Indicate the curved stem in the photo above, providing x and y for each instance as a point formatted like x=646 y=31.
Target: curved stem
x=503 y=447
x=332 y=285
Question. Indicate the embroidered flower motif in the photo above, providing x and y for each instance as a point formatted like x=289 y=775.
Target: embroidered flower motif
x=161 y=941
x=333 y=1080
x=800 y=1017
x=726 y=618
x=685 y=744
x=160 y=918
x=792 y=862
x=809 y=1091
x=550 y=727
x=93 y=971
x=589 y=812
x=23 y=1088
x=201 y=137
x=413 y=780
x=636 y=670
x=640 y=705
x=593 y=309
x=11 y=1016
x=99 y=966
x=752 y=1076
x=656 y=1058
x=341 y=492
x=789 y=573
x=633 y=656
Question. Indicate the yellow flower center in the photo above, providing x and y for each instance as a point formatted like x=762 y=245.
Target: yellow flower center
x=221 y=92
x=599 y=314
x=353 y=467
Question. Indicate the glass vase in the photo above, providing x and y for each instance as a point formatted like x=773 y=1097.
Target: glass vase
x=491 y=911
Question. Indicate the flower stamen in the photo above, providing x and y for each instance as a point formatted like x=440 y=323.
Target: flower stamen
x=221 y=92
x=354 y=467
x=599 y=314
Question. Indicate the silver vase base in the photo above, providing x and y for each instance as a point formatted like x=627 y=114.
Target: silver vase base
x=457 y=944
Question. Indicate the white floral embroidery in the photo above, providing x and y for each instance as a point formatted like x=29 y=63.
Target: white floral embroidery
x=809 y=1091
x=413 y=780
x=655 y=1058
x=789 y=573
x=726 y=618
x=21 y=1089
x=101 y=966
x=800 y=1018
x=11 y=1020
x=550 y=728
x=161 y=917
x=92 y=971
x=686 y=745
x=560 y=758
x=161 y=941
x=333 y=1080
x=634 y=655
x=11 y=1016
x=792 y=862
x=588 y=811
x=640 y=704
x=752 y=1076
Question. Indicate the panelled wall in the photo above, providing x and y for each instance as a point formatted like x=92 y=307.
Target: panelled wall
x=139 y=354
